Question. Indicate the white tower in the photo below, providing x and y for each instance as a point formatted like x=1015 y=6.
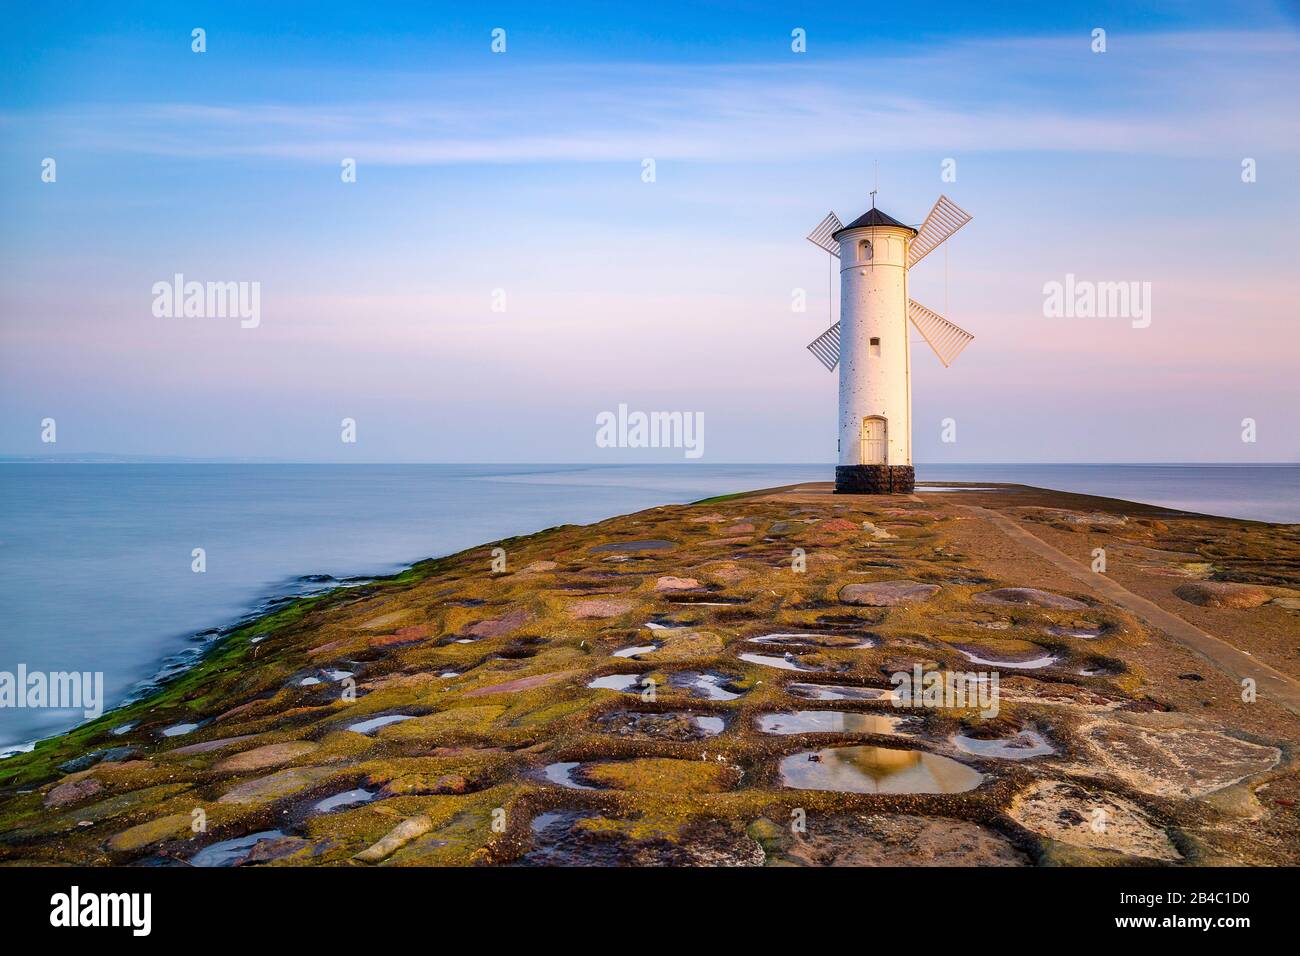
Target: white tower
x=870 y=342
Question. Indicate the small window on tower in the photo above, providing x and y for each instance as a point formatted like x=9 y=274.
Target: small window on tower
x=864 y=250
x=875 y=347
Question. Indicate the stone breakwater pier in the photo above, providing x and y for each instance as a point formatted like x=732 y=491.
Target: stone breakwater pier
x=716 y=684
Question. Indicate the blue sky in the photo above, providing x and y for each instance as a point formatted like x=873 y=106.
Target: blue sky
x=522 y=172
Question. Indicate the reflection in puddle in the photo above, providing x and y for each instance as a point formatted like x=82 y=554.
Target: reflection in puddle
x=830 y=722
x=634 y=651
x=1047 y=660
x=1087 y=633
x=230 y=852
x=662 y=623
x=349 y=798
x=1097 y=670
x=562 y=774
x=177 y=730
x=877 y=770
x=786 y=663
x=838 y=692
x=374 y=723
x=1026 y=744
x=816 y=640
x=708 y=686
x=544 y=820
x=330 y=676
x=709 y=725
x=624 y=682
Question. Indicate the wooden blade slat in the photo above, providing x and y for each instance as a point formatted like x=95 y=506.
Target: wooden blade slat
x=944 y=219
x=821 y=236
x=946 y=339
x=826 y=347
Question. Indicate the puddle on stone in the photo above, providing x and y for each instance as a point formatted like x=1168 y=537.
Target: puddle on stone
x=838 y=692
x=1046 y=660
x=562 y=774
x=711 y=726
x=177 y=730
x=801 y=639
x=1097 y=670
x=831 y=722
x=663 y=623
x=1086 y=633
x=708 y=686
x=544 y=820
x=322 y=677
x=786 y=663
x=1023 y=746
x=348 y=798
x=634 y=651
x=230 y=852
x=629 y=683
x=450 y=674
x=866 y=769
x=374 y=723
x=669 y=725
x=124 y=729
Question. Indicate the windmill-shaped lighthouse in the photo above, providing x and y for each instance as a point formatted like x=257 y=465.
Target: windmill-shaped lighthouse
x=870 y=341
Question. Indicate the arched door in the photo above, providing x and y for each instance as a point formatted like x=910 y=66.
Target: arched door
x=873 y=440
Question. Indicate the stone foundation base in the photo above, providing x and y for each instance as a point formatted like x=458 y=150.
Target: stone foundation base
x=874 y=479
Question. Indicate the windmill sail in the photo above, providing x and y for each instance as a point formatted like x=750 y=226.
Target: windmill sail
x=826 y=347
x=944 y=219
x=946 y=339
x=821 y=236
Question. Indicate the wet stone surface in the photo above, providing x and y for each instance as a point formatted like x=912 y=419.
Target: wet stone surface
x=894 y=839
x=1096 y=820
x=838 y=692
x=570 y=838
x=674 y=725
x=1030 y=596
x=888 y=593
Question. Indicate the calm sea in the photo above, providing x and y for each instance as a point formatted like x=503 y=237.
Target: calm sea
x=95 y=559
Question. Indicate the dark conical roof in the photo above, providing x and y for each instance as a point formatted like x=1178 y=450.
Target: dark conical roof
x=874 y=217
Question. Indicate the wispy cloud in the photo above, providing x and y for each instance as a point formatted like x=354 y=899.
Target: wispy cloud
x=1018 y=94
